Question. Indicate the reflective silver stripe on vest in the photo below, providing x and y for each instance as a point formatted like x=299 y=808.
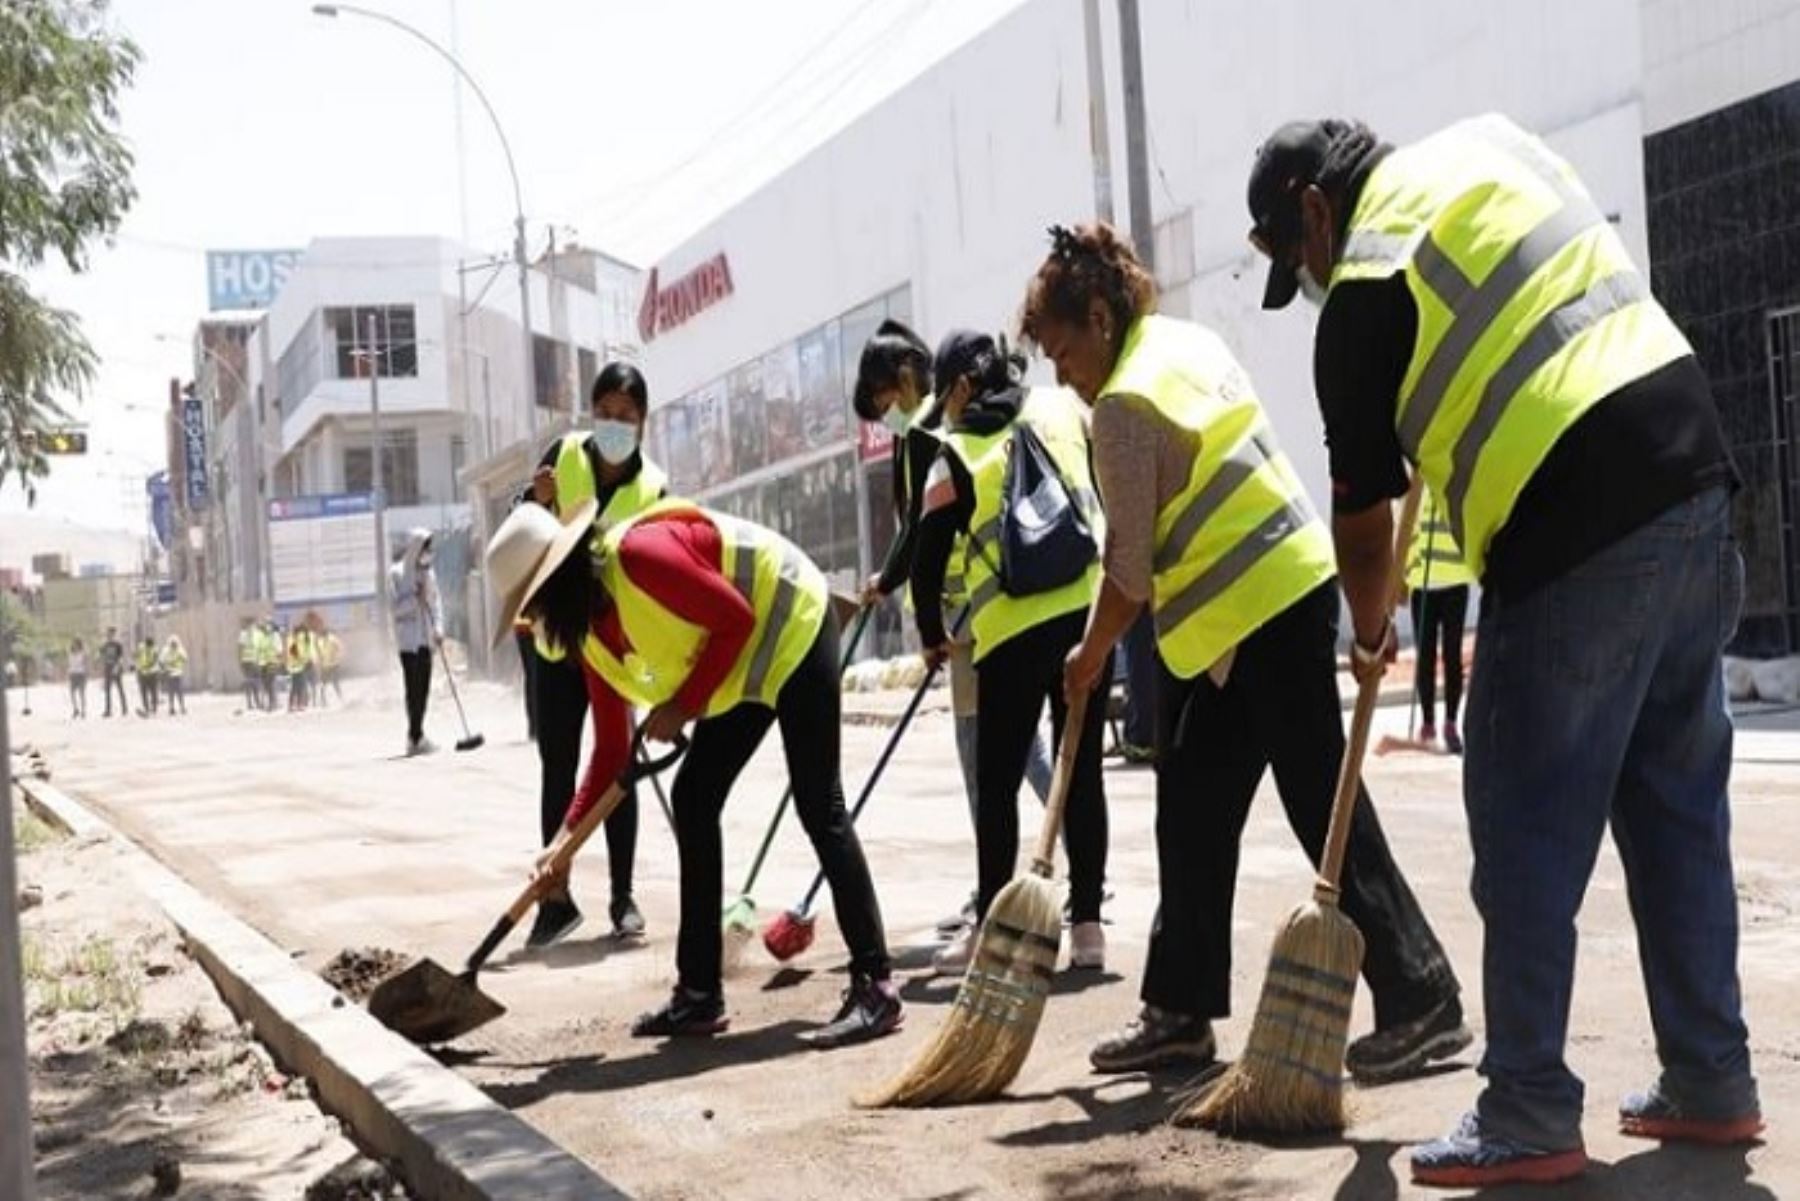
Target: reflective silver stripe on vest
x=1374 y=246
x=1233 y=565
x=986 y=592
x=1555 y=331
x=1475 y=308
x=787 y=596
x=1236 y=467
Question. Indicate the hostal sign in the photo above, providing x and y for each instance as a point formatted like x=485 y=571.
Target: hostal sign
x=664 y=308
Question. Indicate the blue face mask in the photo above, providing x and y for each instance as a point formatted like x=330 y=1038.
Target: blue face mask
x=616 y=440
x=897 y=420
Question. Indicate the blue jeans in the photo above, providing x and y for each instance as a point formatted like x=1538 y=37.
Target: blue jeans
x=1600 y=695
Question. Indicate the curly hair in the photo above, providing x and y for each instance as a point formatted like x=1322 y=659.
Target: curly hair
x=1087 y=263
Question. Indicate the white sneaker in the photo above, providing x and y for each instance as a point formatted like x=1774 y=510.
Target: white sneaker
x=1087 y=946
x=953 y=957
x=426 y=747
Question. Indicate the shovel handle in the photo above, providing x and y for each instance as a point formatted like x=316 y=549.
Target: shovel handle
x=498 y=934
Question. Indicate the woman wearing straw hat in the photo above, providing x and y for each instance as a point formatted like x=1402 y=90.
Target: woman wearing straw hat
x=705 y=618
x=1208 y=524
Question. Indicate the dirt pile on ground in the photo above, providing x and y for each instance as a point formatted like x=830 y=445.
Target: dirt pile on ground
x=357 y=1179
x=356 y=971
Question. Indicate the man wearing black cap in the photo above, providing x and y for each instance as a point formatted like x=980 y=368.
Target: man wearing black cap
x=1482 y=321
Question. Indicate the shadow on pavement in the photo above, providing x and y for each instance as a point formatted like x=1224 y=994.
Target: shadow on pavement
x=1134 y=1114
x=1671 y=1172
x=1106 y=1180
x=568 y=954
x=674 y=1059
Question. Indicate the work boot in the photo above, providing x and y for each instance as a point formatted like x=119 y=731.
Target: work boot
x=627 y=921
x=1156 y=1038
x=953 y=957
x=1405 y=1049
x=1087 y=946
x=557 y=918
x=1469 y=1157
x=871 y=1008
x=1653 y=1113
x=687 y=1015
x=1452 y=738
x=963 y=918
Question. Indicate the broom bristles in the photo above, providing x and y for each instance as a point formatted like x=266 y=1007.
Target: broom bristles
x=1290 y=1077
x=985 y=1039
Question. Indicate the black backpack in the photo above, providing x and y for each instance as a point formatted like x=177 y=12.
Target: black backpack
x=1045 y=540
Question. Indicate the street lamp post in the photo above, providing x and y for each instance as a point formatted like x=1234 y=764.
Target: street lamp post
x=530 y=377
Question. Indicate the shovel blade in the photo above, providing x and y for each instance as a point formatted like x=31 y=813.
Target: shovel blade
x=429 y=1004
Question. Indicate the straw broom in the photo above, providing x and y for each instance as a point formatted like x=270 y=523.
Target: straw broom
x=1289 y=1079
x=984 y=1041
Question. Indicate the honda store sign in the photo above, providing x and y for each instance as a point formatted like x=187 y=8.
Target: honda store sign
x=681 y=301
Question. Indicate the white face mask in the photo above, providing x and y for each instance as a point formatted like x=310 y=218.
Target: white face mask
x=616 y=440
x=1310 y=288
x=897 y=420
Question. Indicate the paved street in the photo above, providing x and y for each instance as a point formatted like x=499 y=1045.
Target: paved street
x=313 y=828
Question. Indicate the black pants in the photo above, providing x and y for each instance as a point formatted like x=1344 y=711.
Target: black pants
x=1279 y=708
x=147 y=692
x=1438 y=619
x=415 y=669
x=176 y=687
x=1014 y=681
x=109 y=681
x=1139 y=645
x=808 y=709
x=528 y=663
x=252 y=685
x=562 y=706
x=268 y=685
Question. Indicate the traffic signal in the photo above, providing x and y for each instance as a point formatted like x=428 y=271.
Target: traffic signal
x=64 y=442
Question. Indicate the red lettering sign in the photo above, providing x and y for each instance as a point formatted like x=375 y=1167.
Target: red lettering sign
x=665 y=308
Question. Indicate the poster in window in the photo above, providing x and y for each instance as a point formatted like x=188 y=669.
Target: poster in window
x=781 y=403
x=822 y=406
x=707 y=405
x=682 y=451
x=749 y=432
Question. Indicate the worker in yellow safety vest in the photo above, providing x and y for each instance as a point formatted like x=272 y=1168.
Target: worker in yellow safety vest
x=330 y=654
x=894 y=390
x=269 y=658
x=148 y=673
x=607 y=465
x=298 y=661
x=1209 y=526
x=1437 y=585
x=1019 y=636
x=247 y=663
x=1482 y=319
x=172 y=665
x=709 y=619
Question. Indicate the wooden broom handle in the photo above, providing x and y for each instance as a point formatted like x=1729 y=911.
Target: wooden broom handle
x=1343 y=806
x=1043 y=863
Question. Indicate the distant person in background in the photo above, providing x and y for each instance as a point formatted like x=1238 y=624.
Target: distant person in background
x=78 y=674
x=112 y=668
x=172 y=664
x=270 y=659
x=146 y=676
x=331 y=660
x=311 y=628
x=247 y=665
x=298 y=646
x=1438 y=579
x=413 y=596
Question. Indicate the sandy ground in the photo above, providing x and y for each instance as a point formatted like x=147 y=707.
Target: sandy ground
x=136 y=1065
x=315 y=830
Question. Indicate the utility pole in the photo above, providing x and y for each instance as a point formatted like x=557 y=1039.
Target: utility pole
x=1099 y=135
x=16 y=1177
x=487 y=412
x=1137 y=151
x=531 y=422
x=380 y=499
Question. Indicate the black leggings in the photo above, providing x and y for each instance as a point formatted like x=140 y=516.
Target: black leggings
x=1279 y=709
x=561 y=706
x=415 y=669
x=808 y=710
x=1014 y=681
x=1438 y=619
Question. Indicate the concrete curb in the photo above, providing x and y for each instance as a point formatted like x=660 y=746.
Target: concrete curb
x=447 y=1138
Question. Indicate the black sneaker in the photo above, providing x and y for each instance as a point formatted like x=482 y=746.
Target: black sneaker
x=1405 y=1050
x=687 y=1015
x=627 y=921
x=871 y=1009
x=953 y=925
x=557 y=918
x=1155 y=1038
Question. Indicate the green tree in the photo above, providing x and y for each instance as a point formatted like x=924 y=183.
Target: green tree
x=65 y=179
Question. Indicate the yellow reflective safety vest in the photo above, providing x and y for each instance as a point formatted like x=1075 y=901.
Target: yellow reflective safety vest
x=330 y=650
x=1434 y=561
x=784 y=589
x=576 y=485
x=299 y=650
x=174 y=662
x=1530 y=310
x=1241 y=542
x=268 y=648
x=1057 y=417
x=247 y=646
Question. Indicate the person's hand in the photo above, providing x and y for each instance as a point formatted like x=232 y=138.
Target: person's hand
x=1369 y=661
x=871 y=591
x=664 y=723
x=1081 y=671
x=544 y=874
x=936 y=656
x=543 y=487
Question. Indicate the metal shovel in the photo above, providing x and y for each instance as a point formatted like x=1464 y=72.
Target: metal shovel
x=428 y=1003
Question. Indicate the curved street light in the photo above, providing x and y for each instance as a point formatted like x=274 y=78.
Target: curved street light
x=334 y=10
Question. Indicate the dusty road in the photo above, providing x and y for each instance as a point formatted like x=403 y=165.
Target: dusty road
x=314 y=830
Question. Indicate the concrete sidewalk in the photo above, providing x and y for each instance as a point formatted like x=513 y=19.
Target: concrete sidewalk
x=317 y=832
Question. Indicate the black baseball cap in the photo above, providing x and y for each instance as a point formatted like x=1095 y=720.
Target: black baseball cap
x=1290 y=159
x=962 y=352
